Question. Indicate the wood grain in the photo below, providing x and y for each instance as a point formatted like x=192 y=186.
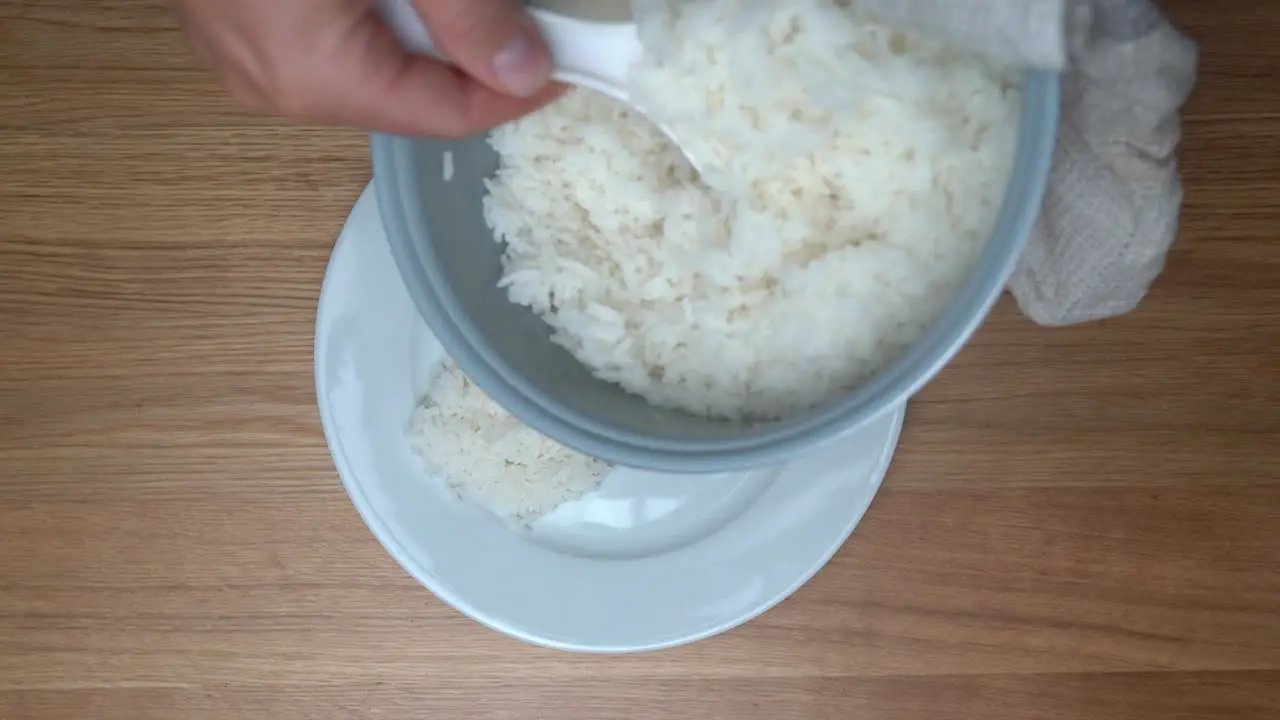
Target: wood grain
x=1081 y=523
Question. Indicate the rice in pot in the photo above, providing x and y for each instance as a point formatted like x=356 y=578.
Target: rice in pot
x=850 y=176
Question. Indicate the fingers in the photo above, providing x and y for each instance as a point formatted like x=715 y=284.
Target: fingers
x=375 y=85
x=495 y=41
x=336 y=62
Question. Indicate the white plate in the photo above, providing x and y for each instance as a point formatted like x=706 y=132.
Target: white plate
x=649 y=561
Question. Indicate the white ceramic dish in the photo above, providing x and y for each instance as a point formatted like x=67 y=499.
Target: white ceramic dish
x=649 y=561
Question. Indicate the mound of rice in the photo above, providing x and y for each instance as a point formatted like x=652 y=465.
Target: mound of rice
x=492 y=459
x=850 y=175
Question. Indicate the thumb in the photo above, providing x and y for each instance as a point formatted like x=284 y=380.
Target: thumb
x=495 y=41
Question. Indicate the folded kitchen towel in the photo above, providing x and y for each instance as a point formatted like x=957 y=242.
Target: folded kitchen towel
x=1114 y=196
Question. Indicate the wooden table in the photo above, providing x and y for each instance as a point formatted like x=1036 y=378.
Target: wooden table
x=1080 y=523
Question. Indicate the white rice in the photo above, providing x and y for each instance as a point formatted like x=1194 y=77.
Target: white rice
x=492 y=459
x=850 y=177
x=447 y=169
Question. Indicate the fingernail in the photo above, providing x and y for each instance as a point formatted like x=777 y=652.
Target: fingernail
x=522 y=67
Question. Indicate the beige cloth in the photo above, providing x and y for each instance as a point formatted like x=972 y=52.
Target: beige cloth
x=1111 y=209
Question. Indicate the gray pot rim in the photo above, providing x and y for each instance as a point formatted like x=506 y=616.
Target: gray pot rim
x=768 y=444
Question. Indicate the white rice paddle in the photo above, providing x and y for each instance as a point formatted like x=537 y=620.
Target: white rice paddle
x=595 y=55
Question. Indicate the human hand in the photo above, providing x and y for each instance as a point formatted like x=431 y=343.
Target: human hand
x=336 y=62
